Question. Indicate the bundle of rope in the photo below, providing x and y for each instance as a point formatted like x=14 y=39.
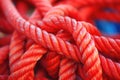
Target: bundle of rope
x=58 y=41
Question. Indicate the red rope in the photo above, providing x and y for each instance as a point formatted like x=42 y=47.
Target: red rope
x=59 y=41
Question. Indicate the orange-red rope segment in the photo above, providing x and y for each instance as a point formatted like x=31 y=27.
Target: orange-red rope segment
x=59 y=41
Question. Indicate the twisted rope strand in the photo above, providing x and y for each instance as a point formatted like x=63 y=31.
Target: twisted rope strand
x=67 y=70
x=109 y=67
x=27 y=62
x=100 y=41
x=56 y=41
x=16 y=49
x=42 y=37
x=87 y=47
x=51 y=63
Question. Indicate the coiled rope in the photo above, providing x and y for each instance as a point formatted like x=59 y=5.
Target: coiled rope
x=58 y=41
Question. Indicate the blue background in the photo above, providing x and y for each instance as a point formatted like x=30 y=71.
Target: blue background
x=107 y=27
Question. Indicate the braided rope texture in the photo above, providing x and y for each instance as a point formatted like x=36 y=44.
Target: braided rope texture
x=58 y=40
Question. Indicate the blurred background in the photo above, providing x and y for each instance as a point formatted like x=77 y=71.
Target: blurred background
x=108 y=27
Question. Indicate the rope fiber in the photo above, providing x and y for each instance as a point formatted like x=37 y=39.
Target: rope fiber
x=58 y=40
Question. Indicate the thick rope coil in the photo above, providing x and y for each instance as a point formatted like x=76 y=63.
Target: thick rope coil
x=83 y=61
x=51 y=63
x=58 y=41
x=112 y=44
x=85 y=45
x=27 y=63
x=67 y=70
x=16 y=49
x=100 y=42
x=109 y=67
x=42 y=37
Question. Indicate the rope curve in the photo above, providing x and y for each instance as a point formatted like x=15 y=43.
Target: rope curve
x=58 y=40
